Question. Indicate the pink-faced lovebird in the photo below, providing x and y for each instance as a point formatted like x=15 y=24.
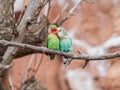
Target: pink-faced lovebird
x=65 y=42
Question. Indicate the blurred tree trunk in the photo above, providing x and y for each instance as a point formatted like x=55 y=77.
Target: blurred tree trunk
x=6 y=23
x=35 y=30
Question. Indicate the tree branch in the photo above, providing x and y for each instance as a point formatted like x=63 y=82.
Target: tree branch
x=32 y=10
x=36 y=35
x=67 y=55
x=70 y=13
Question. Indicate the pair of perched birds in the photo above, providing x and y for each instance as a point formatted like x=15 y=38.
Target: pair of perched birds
x=58 y=39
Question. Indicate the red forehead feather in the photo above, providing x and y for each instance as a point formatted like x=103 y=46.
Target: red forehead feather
x=53 y=30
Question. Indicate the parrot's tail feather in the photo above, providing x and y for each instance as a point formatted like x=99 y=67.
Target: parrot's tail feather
x=52 y=56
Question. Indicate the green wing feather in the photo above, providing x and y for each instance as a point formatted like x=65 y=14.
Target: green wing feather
x=52 y=43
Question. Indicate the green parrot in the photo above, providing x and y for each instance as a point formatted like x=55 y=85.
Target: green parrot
x=65 y=43
x=52 y=40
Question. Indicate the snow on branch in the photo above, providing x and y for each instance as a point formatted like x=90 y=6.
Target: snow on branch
x=57 y=52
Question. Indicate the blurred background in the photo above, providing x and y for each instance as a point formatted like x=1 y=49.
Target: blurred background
x=94 y=29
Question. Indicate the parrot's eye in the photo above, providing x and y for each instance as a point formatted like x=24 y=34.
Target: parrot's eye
x=59 y=30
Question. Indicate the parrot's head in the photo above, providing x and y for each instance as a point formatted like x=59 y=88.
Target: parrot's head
x=52 y=29
x=62 y=33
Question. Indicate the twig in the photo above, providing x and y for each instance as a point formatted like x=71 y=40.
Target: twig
x=20 y=78
x=21 y=13
x=67 y=62
x=86 y=62
x=29 y=66
x=56 y=19
x=70 y=13
x=11 y=83
x=41 y=58
x=5 y=66
x=57 y=52
x=89 y=1
x=49 y=7
x=33 y=70
x=13 y=18
x=28 y=15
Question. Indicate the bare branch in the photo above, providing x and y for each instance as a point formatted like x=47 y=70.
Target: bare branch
x=33 y=7
x=8 y=55
x=89 y=1
x=5 y=66
x=11 y=83
x=86 y=62
x=39 y=63
x=67 y=55
x=49 y=7
x=70 y=13
x=29 y=66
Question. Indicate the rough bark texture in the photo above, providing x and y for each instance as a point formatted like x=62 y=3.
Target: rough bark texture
x=32 y=84
x=32 y=29
x=35 y=35
x=6 y=22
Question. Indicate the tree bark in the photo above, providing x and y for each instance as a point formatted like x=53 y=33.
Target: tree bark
x=6 y=22
x=32 y=29
x=35 y=35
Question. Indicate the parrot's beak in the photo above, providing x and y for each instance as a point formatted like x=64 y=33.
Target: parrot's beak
x=58 y=30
